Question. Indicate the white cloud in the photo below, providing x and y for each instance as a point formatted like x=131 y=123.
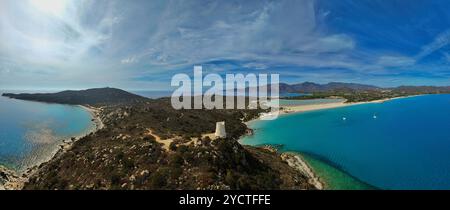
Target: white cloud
x=280 y=31
x=150 y=37
x=166 y=35
x=5 y=70
x=442 y=40
x=330 y=44
x=395 y=61
x=447 y=56
x=129 y=60
x=41 y=36
x=255 y=65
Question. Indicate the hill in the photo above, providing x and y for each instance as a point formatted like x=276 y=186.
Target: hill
x=131 y=150
x=353 y=92
x=89 y=96
x=310 y=87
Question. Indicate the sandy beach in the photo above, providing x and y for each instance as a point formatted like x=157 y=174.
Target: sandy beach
x=15 y=180
x=312 y=107
x=95 y=113
x=291 y=109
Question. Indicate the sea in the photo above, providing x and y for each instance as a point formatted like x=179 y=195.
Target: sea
x=399 y=144
x=31 y=132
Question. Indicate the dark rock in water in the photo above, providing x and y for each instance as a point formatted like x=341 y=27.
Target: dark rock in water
x=278 y=146
x=249 y=132
x=272 y=147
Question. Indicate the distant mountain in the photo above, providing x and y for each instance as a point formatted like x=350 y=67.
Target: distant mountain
x=89 y=96
x=310 y=87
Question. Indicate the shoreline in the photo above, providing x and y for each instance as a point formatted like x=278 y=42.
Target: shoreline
x=313 y=107
x=295 y=159
x=297 y=162
x=95 y=113
x=293 y=109
x=15 y=180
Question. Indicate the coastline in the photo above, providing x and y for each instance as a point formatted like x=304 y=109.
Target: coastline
x=298 y=162
x=15 y=180
x=95 y=113
x=296 y=159
x=313 y=107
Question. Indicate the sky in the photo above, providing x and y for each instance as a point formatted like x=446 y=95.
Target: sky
x=140 y=44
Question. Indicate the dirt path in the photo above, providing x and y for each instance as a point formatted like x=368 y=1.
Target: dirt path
x=166 y=142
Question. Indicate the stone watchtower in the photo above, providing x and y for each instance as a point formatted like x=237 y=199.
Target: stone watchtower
x=220 y=130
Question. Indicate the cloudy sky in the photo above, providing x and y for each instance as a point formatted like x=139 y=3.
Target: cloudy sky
x=141 y=44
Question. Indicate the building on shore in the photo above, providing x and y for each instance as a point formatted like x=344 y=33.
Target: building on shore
x=220 y=130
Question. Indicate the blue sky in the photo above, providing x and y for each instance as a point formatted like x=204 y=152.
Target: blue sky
x=141 y=44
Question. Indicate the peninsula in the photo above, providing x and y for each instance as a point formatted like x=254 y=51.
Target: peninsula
x=129 y=151
x=146 y=144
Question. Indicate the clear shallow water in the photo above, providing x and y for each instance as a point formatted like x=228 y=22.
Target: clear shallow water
x=407 y=145
x=293 y=94
x=31 y=131
x=334 y=178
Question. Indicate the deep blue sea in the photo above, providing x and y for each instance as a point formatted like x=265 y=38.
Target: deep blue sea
x=399 y=144
x=31 y=131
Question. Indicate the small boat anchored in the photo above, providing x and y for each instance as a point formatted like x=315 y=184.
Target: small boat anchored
x=374 y=116
x=344 y=118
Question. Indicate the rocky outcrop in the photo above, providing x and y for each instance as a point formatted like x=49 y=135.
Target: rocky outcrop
x=10 y=180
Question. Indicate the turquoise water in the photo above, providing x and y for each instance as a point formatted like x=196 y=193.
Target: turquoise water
x=407 y=145
x=284 y=94
x=333 y=177
x=31 y=131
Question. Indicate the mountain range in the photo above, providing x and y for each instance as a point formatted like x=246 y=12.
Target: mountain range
x=310 y=87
